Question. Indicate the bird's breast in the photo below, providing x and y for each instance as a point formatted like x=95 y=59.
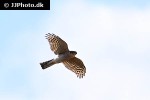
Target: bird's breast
x=63 y=57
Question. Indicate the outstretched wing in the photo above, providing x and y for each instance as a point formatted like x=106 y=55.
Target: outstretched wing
x=75 y=65
x=57 y=45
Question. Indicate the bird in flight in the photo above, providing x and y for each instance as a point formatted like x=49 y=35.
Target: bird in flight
x=65 y=56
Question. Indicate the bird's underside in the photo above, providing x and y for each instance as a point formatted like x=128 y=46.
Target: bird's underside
x=60 y=48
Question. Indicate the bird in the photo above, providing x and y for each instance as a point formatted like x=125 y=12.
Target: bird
x=65 y=56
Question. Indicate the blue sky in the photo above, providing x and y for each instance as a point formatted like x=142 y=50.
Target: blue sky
x=131 y=3
x=111 y=37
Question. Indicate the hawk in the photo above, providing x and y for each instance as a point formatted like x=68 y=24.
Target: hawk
x=65 y=56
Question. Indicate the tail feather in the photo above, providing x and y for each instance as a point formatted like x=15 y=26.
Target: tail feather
x=47 y=64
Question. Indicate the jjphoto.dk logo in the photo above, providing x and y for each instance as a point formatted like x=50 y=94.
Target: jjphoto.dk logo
x=6 y=5
x=25 y=5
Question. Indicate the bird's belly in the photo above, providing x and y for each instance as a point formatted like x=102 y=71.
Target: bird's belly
x=63 y=57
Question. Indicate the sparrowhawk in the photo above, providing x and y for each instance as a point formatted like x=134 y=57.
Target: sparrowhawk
x=60 y=48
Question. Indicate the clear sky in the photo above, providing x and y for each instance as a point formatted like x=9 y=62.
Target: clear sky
x=112 y=37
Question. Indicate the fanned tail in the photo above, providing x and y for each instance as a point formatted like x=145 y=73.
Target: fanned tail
x=47 y=64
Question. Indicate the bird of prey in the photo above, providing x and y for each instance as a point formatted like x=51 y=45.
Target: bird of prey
x=65 y=56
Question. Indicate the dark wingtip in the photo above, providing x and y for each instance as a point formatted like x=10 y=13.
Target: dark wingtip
x=49 y=34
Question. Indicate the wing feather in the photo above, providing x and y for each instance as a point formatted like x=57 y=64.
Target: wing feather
x=75 y=65
x=57 y=45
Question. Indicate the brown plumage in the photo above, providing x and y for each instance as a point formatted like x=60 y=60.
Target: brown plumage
x=60 y=48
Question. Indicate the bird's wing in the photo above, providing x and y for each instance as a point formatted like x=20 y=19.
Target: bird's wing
x=75 y=65
x=57 y=45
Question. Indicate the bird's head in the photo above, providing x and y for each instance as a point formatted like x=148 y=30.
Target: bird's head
x=73 y=52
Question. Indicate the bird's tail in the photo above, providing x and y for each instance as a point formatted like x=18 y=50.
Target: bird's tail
x=47 y=64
